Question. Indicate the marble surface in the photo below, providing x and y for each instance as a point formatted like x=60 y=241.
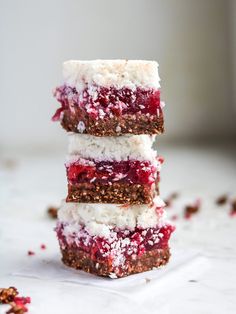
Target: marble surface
x=206 y=284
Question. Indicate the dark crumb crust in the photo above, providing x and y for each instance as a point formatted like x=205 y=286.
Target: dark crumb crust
x=81 y=260
x=125 y=124
x=116 y=193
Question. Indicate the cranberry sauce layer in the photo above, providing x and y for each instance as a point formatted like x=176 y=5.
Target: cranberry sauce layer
x=119 y=246
x=106 y=172
x=102 y=102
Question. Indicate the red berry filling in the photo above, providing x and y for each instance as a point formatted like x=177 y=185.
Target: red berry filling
x=120 y=245
x=127 y=171
x=100 y=102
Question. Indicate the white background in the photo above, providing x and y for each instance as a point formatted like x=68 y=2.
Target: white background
x=193 y=41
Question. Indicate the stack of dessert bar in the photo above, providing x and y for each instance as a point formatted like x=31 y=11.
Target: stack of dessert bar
x=112 y=222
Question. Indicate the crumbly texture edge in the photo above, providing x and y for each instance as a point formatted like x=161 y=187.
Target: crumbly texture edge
x=79 y=259
x=126 y=124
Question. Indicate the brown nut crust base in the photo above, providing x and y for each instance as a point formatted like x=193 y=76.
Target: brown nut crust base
x=125 y=124
x=79 y=259
x=117 y=193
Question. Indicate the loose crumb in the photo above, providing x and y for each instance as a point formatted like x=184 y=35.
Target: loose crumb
x=233 y=208
x=221 y=200
x=17 y=309
x=52 y=212
x=30 y=253
x=18 y=304
x=174 y=217
x=168 y=202
x=187 y=215
x=174 y=195
x=7 y=295
x=161 y=159
x=192 y=209
x=43 y=247
x=170 y=199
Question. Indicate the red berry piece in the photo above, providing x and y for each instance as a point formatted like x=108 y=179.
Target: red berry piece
x=30 y=253
x=43 y=247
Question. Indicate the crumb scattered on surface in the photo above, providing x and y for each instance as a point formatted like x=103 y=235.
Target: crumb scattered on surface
x=221 y=200
x=7 y=295
x=43 y=247
x=15 y=309
x=161 y=159
x=190 y=210
x=147 y=280
x=18 y=304
x=192 y=280
x=52 y=212
x=233 y=208
x=30 y=253
x=174 y=195
x=169 y=200
x=174 y=217
x=234 y=205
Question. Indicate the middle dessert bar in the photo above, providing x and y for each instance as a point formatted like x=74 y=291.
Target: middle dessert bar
x=112 y=169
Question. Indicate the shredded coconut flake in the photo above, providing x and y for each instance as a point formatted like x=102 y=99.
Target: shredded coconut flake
x=81 y=127
x=113 y=275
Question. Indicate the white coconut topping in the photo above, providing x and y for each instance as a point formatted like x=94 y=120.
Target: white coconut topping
x=137 y=147
x=117 y=73
x=100 y=219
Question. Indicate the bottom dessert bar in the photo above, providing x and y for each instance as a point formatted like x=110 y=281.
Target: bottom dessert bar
x=111 y=240
x=121 y=254
x=82 y=260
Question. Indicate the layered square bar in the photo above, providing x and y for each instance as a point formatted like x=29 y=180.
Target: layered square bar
x=112 y=222
x=110 y=97
x=113 y=240
x=117 y=170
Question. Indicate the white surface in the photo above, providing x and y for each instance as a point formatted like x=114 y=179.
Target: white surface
x=107 y=73
x=137 y=147
x=100 y=219
x=180 y=267
x=37 y=182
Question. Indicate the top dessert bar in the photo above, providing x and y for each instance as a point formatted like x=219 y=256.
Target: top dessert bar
x=110 y=97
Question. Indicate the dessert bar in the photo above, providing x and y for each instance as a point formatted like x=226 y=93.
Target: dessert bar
x=114 y=240
x=110 y=97
x=112 y=169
